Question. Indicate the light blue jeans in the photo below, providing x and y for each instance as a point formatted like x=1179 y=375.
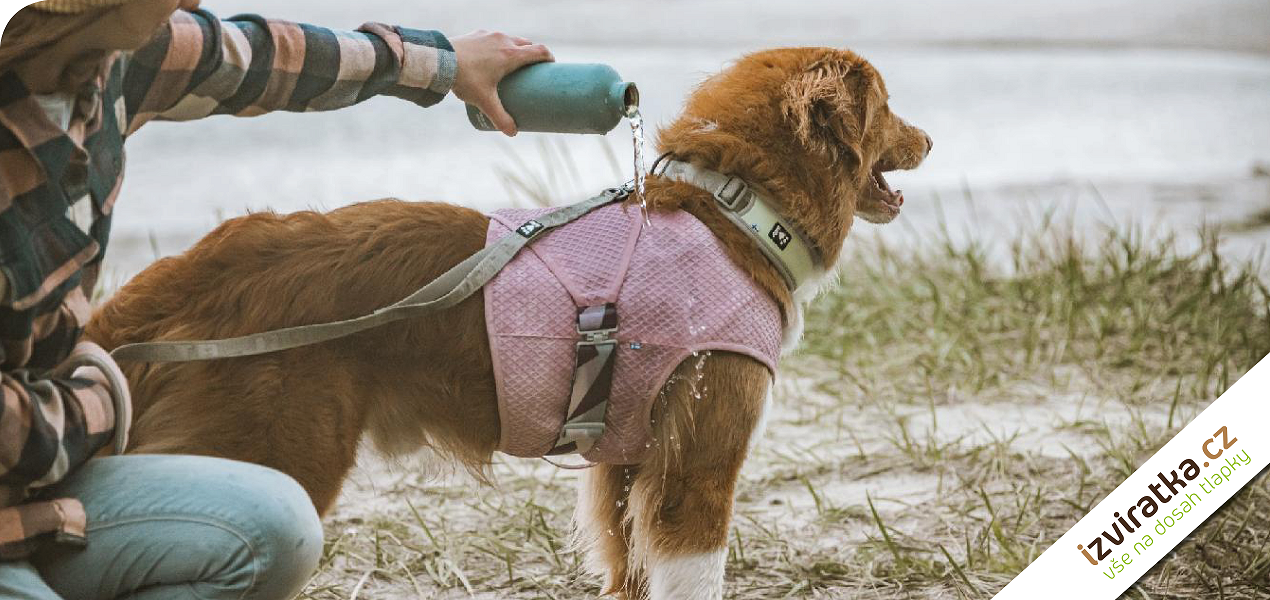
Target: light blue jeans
x=177 y=527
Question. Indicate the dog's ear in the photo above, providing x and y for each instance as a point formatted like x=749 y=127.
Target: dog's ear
x=831 y=106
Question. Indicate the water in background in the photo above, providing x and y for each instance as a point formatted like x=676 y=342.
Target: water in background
x=1141 y=110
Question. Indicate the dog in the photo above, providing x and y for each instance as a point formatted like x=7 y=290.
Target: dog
x=807 y=128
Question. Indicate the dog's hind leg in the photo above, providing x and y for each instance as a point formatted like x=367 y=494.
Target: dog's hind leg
x=681 y=500
x=601 y=531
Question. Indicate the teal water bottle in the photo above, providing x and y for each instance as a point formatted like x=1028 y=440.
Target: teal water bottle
x=563 y=98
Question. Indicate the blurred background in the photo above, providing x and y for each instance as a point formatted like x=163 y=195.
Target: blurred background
x=1148 y=112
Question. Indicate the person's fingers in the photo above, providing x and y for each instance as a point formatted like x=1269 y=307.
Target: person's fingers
x=533 y=53
x=520 y=41
x=493 y=108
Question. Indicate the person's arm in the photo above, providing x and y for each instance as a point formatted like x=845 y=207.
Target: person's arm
x=198 y=66
x=49 y=426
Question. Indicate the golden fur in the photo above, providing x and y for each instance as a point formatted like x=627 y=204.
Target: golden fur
x=806 y=125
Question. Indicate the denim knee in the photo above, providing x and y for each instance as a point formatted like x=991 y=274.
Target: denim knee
x=214 y=528
x=287 y=534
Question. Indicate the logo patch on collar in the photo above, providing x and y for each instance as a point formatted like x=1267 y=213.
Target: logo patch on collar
x=780 y=236
x=529 y=229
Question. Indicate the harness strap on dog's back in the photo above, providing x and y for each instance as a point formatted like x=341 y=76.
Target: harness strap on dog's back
x=592 y=380
x=451 y=288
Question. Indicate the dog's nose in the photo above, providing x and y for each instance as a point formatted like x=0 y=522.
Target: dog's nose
x=930 y=144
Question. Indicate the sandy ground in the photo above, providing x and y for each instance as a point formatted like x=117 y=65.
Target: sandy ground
x=829 y=457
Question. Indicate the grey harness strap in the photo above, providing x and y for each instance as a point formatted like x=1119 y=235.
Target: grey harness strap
x=755 y=214
x=594 y=358
x=452 y=287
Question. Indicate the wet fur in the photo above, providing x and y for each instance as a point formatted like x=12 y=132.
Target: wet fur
x=802 y=124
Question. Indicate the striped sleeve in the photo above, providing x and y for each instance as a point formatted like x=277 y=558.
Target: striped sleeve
x=22 y=527
x=50 y=426
x=199 y=66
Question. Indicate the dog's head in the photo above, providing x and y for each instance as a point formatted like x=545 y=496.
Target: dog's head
x=813 y=123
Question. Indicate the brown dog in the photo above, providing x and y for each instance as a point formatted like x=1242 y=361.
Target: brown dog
x=808 y=126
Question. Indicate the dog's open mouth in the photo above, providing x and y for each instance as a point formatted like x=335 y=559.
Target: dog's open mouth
x=879 y=203
x=893 y=197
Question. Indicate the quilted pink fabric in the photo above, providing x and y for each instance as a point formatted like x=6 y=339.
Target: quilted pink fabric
x=676 y=292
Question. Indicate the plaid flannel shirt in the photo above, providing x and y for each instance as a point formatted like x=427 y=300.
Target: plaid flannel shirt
x=57 y=188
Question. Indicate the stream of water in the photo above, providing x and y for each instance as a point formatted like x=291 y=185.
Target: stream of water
x=637 y=140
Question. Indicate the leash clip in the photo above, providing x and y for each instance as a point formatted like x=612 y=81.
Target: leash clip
x=626 y=189
x=622 y=191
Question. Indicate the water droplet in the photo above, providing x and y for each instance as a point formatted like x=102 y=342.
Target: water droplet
x=698 y=374
x=611 y=532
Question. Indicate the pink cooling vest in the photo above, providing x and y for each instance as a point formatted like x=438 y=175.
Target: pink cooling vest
x=676 y=293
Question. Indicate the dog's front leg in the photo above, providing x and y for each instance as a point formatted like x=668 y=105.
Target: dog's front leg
x=681 y=500
x=604 y=534
x=679 y=531
x=601 y=529
x=691 y=577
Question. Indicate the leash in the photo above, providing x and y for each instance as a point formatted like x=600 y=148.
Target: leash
x=451 y=288
x=88 y=354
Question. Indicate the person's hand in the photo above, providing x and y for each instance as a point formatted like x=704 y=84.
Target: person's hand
x=484 y=58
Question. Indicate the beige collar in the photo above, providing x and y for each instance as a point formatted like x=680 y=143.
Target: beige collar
x=753 y=212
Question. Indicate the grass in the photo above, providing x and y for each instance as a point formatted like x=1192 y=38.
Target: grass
x=1116 y=306
x=949 y=416
x=1257 y=220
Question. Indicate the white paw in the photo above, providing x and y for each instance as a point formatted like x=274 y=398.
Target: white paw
x=689 y=577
